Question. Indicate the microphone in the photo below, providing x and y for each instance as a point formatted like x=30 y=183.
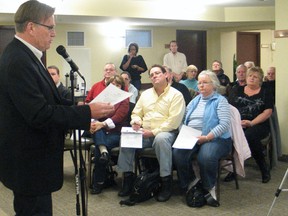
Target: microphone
x=62 y=51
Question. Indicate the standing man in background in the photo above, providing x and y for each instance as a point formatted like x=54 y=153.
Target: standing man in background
x=55 y=74
x=176 y=61
x=33 y=117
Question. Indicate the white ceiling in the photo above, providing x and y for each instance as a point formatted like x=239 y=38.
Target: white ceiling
x=8 y=17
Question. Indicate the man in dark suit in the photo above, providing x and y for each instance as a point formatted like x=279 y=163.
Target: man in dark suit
x=55 y=74
x=33 y=116
x=179 y=86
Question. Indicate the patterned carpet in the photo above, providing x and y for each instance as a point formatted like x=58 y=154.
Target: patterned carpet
x=253 y=198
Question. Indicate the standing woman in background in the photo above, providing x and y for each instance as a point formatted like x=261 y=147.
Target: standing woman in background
x=134 y=64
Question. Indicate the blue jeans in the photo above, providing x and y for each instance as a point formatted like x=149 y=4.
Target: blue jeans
x=208 y=155
x=110 y=140
x=162 y=144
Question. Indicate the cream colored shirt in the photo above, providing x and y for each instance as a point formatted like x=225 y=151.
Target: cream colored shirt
x=159 y=114
x=177 y=62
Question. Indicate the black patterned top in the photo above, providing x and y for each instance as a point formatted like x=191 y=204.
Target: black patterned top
x=250 y=106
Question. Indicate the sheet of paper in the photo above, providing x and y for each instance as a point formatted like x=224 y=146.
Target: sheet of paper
x=131 y=138
x=186 y=138
x=111 y=94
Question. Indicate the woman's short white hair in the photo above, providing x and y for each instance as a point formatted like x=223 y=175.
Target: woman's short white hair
x=213 y=77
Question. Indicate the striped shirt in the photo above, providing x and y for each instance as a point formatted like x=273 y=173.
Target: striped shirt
x=196 y=118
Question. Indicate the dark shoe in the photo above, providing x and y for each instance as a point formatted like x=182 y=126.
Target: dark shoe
x=265 y=171
x=104 y=158
x=97 y=188
x=266 y=177
x=166 y=189
x=211 y=201
x=230 y=177
x=128 y=182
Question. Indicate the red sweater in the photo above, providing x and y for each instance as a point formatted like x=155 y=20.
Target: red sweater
x=120 y=115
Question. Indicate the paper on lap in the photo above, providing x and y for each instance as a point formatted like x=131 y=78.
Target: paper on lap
x=187 y=138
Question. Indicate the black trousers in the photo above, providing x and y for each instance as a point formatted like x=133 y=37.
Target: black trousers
x=254 y=135
x=32 y=205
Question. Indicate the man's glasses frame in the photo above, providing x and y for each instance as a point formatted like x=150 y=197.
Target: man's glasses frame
x=50 y=28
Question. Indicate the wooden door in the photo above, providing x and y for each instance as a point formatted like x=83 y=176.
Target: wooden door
x=248 y=47
x=193 y=45
x=6 y=35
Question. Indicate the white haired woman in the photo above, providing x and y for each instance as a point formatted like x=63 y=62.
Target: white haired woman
x=208 y=112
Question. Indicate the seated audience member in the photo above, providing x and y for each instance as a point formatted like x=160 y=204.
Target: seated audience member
x=255 y=107
x=131 y=88
x=55 y=74
x=240 y=75
x=241 y=78
x=191 y=81
x=217 y=69
x=249 y=64
x=208 y=112
x=269 y=81
x=97 y=88
x=180 y=87
x=106 y=135
x=158 y=112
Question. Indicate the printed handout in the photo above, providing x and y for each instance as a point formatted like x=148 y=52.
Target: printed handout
x=187 y=138
x=111 y=94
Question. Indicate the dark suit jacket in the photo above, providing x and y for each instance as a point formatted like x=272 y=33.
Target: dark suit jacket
x=184 y=90
x=33 y=120
x=64 y=92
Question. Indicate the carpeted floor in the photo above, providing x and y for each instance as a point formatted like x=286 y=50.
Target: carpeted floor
x=253 y=198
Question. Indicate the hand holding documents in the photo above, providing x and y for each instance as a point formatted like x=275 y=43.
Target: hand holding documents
x=111 y=94
x=131 y=138
x=187 y=138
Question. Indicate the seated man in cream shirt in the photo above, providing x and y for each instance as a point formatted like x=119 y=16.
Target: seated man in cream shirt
x=158 y=112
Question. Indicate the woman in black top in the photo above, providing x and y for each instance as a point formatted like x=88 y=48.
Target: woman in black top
x=134 y=64
x=255 y=106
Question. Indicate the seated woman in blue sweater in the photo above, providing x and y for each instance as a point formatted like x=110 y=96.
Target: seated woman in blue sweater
x=208 y=112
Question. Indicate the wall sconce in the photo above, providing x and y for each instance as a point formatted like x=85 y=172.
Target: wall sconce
x=280 y=33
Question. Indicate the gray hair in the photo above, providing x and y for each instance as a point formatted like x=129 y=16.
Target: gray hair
x=213 y=77
x=241 y=66
x=31 y=11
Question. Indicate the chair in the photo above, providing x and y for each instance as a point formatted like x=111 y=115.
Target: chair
x=224 y=162
x=69 y=146
x=229 y=160
x=144 y=153
x=272 y=142
x=113 y=153
x=267 y=144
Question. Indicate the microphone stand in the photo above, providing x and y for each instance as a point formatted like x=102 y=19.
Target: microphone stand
x=79 y=175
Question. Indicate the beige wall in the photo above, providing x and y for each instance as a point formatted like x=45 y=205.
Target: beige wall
x=221 y=44
x=281 y=54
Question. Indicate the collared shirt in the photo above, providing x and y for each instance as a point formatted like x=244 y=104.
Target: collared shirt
x=177 y=62
x=159 y=113
x=36 y=52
